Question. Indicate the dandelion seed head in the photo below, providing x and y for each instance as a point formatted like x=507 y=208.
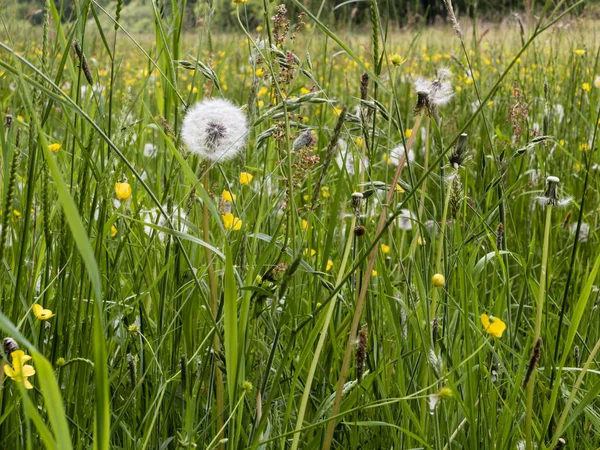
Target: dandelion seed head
x=405 y=219
x=215 y=129
x=584 y=231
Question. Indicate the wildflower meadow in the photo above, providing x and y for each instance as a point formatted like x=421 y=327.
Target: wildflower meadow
x=299 y=225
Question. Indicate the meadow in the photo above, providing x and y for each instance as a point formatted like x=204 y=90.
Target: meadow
x=218 y=240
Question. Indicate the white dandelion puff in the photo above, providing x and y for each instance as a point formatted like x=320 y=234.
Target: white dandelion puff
x=345 y=158
x=405 y=220
x=584 y=231
x=397 y=154
x=149 y=150
x=215 y=129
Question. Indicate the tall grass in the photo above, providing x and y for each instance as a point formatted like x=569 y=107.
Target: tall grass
x=174 y=329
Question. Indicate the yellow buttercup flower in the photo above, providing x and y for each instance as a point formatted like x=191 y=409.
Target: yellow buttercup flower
x=41 y=313
x=113 y=231
x=329 y=265
x=493 y=325
x=20 y=372
x=309 y=252
x=230 y=222
x=246 y=178
x=16 y=213
x=304 y=224
x=228 y=196
x=54 y=147
x=397 y=60
x=385 y=248
x=586 y=87
x=438 y=280
x=579 y=52
x=123 y=190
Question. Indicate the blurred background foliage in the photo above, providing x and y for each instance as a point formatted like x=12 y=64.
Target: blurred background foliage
x=137 y=14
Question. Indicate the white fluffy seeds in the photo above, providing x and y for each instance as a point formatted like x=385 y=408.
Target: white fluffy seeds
x=215 y=129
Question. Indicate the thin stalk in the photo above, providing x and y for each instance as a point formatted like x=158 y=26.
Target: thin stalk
x=440 y=251
x=214 y=306
x=538 y=328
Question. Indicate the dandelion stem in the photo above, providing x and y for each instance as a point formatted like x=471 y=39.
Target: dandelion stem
x=214 y=305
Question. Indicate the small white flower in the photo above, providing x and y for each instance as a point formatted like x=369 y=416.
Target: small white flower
x=584 y=231
x=215 y=129
x=397 y=153
x=559 y=112
x=149 y=150
x=345 y=158
x=405 y=220
x=178 y=219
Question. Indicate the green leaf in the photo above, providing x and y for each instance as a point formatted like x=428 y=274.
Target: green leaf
x=230 y=324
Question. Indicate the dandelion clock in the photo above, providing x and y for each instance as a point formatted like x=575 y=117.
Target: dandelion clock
x=215 y=129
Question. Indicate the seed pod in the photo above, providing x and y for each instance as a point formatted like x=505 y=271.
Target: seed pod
x=560 y=444
x=183 y=366
x=435 y=325
x=10 y=345
x=535 y=358
x=499 y=236
x=361 y=352
x=132 y=369
x=83 y=62
x=456 y=197
x=358 y=200
x=457 y=157
x=364 y=86
x=359 y=231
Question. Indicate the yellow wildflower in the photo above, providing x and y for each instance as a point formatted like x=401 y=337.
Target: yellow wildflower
x=586 y=87
x=228 y=196
x=385 y=248
x=438 y=280
x=246 y=178
x=492 y=325
x=20 y=372
x=123 y=190
x=329 y=265
x=41 y=313
x=16 y=213
x=54 y=147
x=113 y=231
x=230 y=222
x=310 y=252
x=579 y=52
x=397 y=60
x=304 y=224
